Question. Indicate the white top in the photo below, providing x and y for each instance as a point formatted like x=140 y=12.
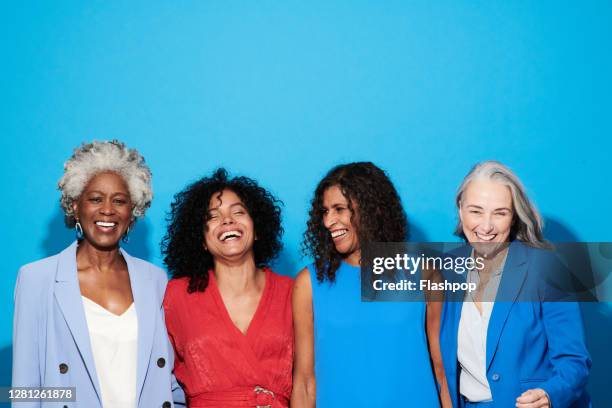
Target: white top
x=472 y=339
x=472 y=351
x=114 y=343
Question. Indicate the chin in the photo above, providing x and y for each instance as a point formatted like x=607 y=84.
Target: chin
x=107 y=243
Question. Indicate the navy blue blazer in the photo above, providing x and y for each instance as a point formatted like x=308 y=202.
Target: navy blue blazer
x=51 y=345
x=530 y=343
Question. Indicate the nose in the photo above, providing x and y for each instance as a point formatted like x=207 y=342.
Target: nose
x=107 y=207
x=487 y=224
x=328 y=220
x=227 y=219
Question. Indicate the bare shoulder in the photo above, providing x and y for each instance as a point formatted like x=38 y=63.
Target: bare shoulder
x=303 y=278
x=302 y=288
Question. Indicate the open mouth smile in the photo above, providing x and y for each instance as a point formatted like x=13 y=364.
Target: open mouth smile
x=339 y=233
x=485 y=237
x=230 y=235
x=106 y=226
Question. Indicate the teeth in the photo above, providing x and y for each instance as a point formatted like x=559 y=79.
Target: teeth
x=106 y=224
x=338 y=233
x=229 y=235
x=485 y=237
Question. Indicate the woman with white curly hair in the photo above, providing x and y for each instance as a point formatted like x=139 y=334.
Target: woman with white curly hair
x=90 y=317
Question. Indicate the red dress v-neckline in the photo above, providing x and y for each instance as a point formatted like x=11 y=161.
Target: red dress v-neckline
x=257 y=317
x=217 y=364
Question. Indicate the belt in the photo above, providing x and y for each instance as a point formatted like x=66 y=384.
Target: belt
x=253 y=397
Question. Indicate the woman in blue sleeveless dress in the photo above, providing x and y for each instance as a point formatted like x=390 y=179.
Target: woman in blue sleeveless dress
x=362 y=354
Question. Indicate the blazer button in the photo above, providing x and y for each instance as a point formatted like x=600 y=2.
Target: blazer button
x=63 y=368
x=167 y=405
x=161 y=362
x=495 y=377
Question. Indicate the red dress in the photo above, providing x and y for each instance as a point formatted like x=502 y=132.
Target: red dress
x=218 y=365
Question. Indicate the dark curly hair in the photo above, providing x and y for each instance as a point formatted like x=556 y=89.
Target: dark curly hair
x=381 y=215
x=182 y=246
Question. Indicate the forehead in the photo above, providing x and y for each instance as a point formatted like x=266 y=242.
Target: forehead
x=107 y=181
x=333 y=195
x=224 y=198
x=487 y=193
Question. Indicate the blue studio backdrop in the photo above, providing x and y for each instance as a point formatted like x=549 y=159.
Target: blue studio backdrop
x=282 y=91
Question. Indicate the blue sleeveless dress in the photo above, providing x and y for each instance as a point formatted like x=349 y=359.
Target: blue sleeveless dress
x=368 y=354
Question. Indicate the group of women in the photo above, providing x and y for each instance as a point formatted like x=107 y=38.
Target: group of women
x=227 y=331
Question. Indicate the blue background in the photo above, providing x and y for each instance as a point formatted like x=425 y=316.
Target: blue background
x=281 y=91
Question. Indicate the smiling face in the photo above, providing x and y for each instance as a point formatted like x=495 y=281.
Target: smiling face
x=104 y=210
x=229 y=232
x=342 y=229
x=486 y=214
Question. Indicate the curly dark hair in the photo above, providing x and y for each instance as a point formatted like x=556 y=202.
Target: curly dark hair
x=381 y=215
x=182 y=246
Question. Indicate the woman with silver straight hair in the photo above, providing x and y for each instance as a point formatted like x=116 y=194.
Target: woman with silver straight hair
x=90 y=317
x=527 y=224
x=506 y=344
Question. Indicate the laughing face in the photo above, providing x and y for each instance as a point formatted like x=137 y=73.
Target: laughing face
x=341 y=224
x=486 y=213
x=104 y=210
x=229 y=232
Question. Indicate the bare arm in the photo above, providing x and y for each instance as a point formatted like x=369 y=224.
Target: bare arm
x=303 y=393
x=434 y=311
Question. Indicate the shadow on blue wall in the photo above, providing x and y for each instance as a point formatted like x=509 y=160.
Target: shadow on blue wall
x=597 y=318
x=138 y=244
x=285 y=264
x=58 y=235
x=416 y=233
x=6 y=355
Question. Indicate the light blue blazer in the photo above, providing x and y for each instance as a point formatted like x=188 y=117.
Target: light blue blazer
x=530 y=344
x=51 y=346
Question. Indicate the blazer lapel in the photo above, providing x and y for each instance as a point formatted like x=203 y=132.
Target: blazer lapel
x=68 y=296
x=147 y=307
x=514 y=274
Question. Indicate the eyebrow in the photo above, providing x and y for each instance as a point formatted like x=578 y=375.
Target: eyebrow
x=231 y=206
x=497 y=209
x=336 y=205
x=103 y=193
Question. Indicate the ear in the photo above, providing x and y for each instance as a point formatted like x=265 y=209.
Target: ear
x=460 y=213
x=75 y=209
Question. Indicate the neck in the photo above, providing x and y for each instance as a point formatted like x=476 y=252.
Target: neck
x=100 y=259
x=493 y=260
x=238 y=277
x=354 y=258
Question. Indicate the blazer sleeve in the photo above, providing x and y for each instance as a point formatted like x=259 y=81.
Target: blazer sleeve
x=26 y=323
x=567 y=352
x=178 y=395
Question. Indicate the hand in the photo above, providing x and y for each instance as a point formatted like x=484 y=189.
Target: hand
x=534 y=398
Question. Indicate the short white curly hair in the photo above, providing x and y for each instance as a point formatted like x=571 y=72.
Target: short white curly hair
x=107 y=156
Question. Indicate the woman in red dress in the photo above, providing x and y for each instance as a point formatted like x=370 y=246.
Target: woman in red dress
x=228 y=315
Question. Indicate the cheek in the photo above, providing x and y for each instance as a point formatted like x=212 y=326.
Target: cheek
x=249 y=225
x=469 y=222
x=505 y=225
x=207 y=234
